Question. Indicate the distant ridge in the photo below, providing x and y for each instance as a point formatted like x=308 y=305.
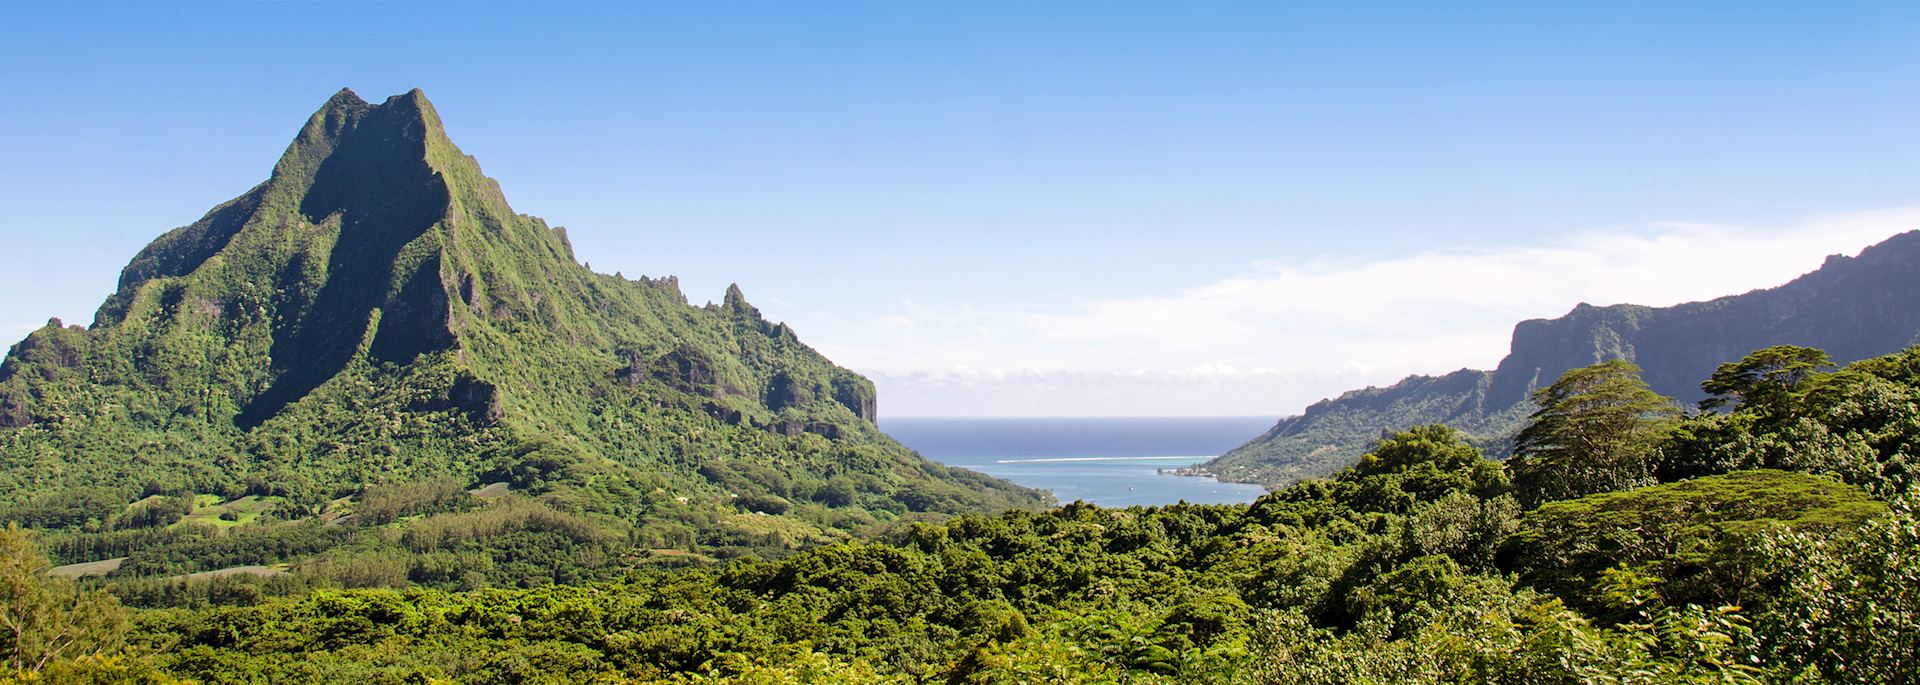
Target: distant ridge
x=1852 y=307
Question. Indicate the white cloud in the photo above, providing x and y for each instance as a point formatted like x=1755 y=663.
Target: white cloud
x=1291 y=330
x=894 y=320
x=1448 y=308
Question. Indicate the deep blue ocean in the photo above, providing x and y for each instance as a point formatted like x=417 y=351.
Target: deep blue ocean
x=1112 y=462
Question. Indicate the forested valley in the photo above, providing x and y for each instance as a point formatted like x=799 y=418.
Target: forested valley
x=1768 y=536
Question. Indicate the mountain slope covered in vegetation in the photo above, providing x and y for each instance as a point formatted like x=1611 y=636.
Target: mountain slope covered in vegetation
x=374 y=323
x=1852 y=307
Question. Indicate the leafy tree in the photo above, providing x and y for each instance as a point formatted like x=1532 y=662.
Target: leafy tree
x=1857 y=423
x=1765 y=379
x=1597 y=430
x=45 y=620
x=1467 y=529
x=1421 y=464
x=1410 y=594
x=1690 y=542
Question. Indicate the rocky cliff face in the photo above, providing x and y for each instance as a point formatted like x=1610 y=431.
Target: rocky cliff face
x=376 y=309
x=1852 y=307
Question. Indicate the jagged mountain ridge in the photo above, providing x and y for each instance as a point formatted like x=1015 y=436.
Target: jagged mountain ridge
x=1852 y=307
x=375 y=310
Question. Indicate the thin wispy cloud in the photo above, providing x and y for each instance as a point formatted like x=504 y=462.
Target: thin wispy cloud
x=1288 y=331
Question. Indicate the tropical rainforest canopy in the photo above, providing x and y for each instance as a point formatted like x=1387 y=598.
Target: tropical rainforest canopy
x=1771 y=540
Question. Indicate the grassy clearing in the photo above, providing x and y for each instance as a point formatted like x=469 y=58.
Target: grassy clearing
x=212 y=510
x=250 y=570
x=82 y=570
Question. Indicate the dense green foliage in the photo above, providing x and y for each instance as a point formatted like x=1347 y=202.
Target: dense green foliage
x=1846 y=608
x=1687 y=542
x=1302 y=587
x=1858 y=423
x=1413 y=565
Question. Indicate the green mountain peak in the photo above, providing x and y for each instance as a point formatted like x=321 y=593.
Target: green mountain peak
x=375 y=311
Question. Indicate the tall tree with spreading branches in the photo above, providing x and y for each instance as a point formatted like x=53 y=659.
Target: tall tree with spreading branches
x=1597 y=430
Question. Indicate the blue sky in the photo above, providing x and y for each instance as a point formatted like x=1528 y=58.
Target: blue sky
x=1037 y=208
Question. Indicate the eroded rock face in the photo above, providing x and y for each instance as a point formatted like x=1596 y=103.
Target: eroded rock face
x=725 y=414
x=478 y=399
x=688 y=370
x=47 y=352
x=783 y=391
x=1852 y=307
x=787 y=427
x=857 y=395
x=13 y=413
x=665 y=284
